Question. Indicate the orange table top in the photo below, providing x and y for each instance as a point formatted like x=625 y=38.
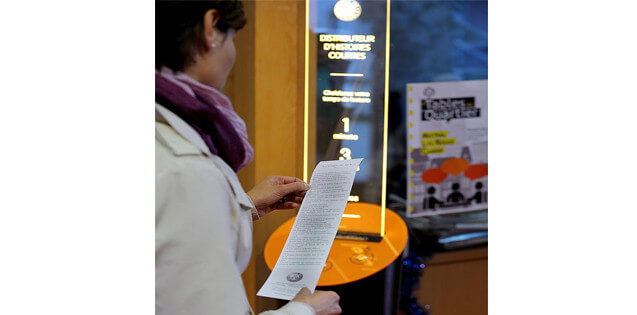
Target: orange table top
x=349 y=260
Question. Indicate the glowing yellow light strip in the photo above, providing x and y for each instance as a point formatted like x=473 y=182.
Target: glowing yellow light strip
x=384 y=186
x=305 y=93
x=335 y=74
x=354 y=216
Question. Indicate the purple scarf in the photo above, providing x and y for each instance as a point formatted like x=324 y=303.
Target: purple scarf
x=204 y=117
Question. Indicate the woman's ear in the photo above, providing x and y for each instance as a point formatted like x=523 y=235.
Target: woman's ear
x=210 y=33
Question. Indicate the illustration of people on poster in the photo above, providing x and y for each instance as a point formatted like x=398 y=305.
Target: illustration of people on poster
x=447 y=139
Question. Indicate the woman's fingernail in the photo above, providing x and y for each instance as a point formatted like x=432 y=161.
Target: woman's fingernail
x=308 y=186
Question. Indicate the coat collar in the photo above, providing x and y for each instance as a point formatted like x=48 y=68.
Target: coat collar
x=182 y=128
x=198 y=146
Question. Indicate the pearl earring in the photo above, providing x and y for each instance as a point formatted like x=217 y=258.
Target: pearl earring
x=213 y=45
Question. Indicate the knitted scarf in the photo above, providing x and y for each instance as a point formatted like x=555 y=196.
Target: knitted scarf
x=204 y=117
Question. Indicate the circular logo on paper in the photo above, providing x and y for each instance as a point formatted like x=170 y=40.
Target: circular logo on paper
x=347 y=10
x=295 y=277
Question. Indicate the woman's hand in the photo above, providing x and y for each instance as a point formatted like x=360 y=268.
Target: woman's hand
x=323 y=302
x=269 y=193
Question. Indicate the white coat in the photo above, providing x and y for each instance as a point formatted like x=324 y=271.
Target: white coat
x=203 y=227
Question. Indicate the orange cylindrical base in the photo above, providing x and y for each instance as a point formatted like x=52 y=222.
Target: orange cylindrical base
x=349 y=260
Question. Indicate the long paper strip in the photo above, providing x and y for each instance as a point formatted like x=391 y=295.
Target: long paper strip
x=313 y=232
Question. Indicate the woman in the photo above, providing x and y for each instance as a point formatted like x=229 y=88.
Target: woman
x=203 y=215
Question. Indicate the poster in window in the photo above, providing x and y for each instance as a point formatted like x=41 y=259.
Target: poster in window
x=447 y=140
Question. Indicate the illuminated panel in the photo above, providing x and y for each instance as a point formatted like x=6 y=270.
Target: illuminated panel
x=346 y=95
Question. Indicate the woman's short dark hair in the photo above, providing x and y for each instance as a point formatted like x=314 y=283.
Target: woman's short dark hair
x=179 y=28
